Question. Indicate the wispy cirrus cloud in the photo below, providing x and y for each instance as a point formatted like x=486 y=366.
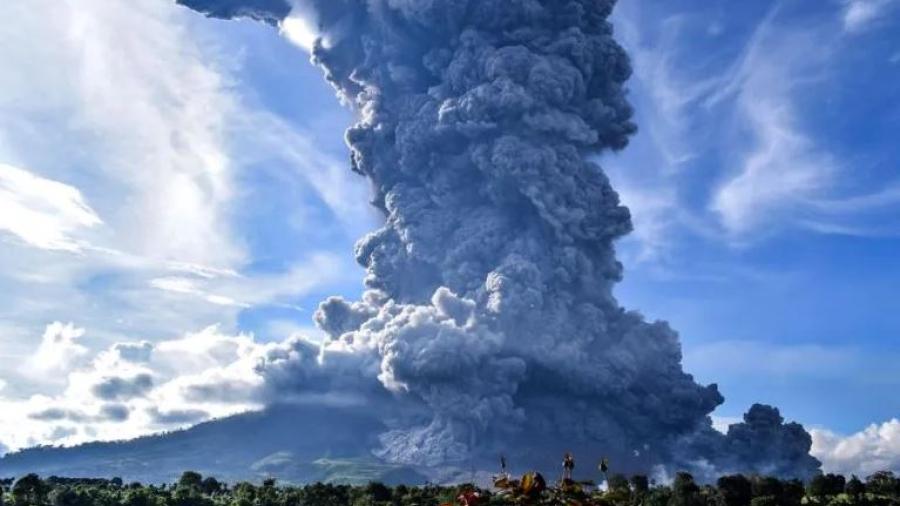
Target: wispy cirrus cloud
x=145 y=138
x=42 y=212
x=861 y=14
x=728 y=152
x=783 y=166
x=650 y=173
x=247 y=291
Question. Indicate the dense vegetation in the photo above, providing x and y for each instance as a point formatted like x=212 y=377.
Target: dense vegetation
x=192 y=489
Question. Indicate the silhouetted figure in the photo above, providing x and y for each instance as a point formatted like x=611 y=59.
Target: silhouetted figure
x=604 y=468
x=568 y=466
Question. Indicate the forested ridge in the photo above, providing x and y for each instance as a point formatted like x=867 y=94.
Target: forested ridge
x=192 y=489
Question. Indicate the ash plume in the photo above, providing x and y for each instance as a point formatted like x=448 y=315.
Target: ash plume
x=489 y=323
x=269 y=11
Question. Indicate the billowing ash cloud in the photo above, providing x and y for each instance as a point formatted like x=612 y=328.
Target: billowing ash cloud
x=766 y=443
x=270 y=11
x=490 y=325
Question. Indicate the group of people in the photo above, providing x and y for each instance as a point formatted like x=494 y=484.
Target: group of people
x=568 y=465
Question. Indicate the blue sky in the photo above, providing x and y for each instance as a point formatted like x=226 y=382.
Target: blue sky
x=182 y=182
x=764 y=185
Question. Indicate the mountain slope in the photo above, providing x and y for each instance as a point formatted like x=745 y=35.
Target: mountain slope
x=290 y=443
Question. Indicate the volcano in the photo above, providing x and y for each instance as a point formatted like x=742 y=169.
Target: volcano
x=294 y=444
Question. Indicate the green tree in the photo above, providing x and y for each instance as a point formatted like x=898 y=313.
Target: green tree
x=766 y=486
x=243 y=494
x=640 y=484
x=792 y=493
x=883 y=483
x=139 y=496
x=210 y=486
x=321 y=494
x=30 y=490
x=735 y=490
x=659 y=496
x=825 y=486
x=618 y=482
x=618 y=490
x=765 y=500
x=378 y=492
x=64 y=496
x=267 y=495
x=710 y=496
x=191 y=480
x=685 y=492
x=188 y=492
x=855 y=488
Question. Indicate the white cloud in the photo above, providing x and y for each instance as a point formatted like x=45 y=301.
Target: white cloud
x=870 y=214
x=345 y=193
x=671 y=93
x=119 y=394
x=135 y=112
x=189 y=287
x=42 y=212
x=297 y=29
x=203 y=271
x=783 y=167
x=300 y=26
x=136 y=388
x=886 y=197
x=144 y=114
x=654 y=213
x=735 y=128
x=174 y=167
x=241 y=291
x=648 y=174
x=860 y=14
x=722 y=423
x=58 y=352
x=876 y=448
x=132 y=112
x=769 y=167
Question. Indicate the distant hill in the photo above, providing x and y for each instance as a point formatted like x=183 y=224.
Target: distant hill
x=290 y=443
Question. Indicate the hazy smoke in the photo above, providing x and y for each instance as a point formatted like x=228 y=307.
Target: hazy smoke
x=490 y=324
